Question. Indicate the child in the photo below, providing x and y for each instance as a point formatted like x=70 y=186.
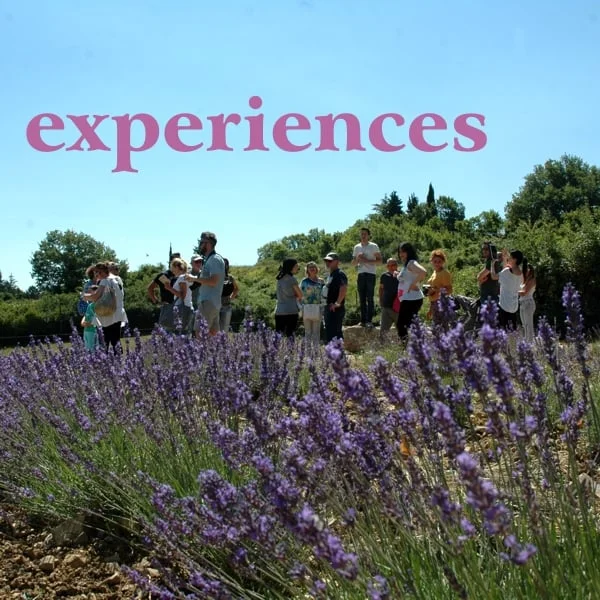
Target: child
x=90 y=323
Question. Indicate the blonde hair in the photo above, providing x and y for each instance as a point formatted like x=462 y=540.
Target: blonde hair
x=439 y=253
x=310 y=264
x=179 y=262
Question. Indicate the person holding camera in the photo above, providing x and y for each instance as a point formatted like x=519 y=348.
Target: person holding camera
x=510 y=279
x=489 y=288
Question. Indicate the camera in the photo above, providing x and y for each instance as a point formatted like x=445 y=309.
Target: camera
x=493 y=250
x=426 y=289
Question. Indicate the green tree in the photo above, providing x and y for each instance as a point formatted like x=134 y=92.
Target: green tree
x=389 y=206
x=59 y=265
x=412 y=203
x=450 y=211
x=555 y=188
x=430 y=202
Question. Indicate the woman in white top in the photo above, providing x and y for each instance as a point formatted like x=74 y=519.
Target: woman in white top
x=409 y=287
x=527 y=303
x=510 y=278
x=183 y=294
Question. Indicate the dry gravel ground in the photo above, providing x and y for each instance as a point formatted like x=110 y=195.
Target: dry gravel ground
x=46 y=561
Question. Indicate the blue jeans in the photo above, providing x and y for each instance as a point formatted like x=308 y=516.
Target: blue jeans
x=366 y=291
x=225 y=317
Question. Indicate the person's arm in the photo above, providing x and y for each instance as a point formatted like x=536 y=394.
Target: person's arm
x=341 y=295
x=210 y=281
x=150 y=290
x=483 y=275
x=236 y=289
x=415 y=267
x=528 y=285
x=297 y=291
x=93 y=296
x=181 y=292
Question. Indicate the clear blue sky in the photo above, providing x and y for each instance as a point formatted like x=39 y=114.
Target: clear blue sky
x=532 y=68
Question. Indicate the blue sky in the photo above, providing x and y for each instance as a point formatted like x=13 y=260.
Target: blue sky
x=530 y=67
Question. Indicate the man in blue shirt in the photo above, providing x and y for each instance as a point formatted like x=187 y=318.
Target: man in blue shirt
x=211 y=279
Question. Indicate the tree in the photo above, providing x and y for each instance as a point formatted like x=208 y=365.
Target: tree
x=430 y=202
x=450 y=211
x=555 y=188
x=412 y=203
x=9 y=288
x=59 y=265
x=389 y=206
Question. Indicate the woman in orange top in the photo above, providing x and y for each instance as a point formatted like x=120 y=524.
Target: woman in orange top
x=441 y=279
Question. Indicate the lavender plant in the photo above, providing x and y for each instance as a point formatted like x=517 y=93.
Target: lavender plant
x=253 y=468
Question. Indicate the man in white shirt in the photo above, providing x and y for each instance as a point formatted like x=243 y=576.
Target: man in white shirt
x=366 y=256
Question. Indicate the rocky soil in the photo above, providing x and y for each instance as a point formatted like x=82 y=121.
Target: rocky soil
x=40 y=561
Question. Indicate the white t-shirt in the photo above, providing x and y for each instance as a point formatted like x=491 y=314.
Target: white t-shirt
x=405 y=279
x=510 y=285
x=187 y=301
x=369 y=250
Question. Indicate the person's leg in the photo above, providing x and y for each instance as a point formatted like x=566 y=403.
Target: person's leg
x=408 y=310
x=330 y=325
x=165 y=320
x=361 y=284
x=388 y=318
x=291 y=323
x=370 y=293
x=311 y=329
x=208 y=312
x=89 y=338
x=527 y=309
x=112 y=336
x=339 y=322
x=280 y=323
x=225 y=318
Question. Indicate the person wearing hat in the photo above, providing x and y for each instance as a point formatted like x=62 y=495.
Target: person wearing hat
x=211 y=279
x=195 y=269
x=334 y=292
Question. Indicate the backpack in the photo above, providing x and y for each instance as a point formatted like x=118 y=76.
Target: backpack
x=82 y=307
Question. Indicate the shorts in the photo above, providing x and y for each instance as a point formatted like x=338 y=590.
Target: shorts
x=210 y=313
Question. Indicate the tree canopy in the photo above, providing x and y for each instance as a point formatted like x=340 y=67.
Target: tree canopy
x=554 y=189
x=59 y=265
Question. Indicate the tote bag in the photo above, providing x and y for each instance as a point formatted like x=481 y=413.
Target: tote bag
x=311 y=312
x=106 y=305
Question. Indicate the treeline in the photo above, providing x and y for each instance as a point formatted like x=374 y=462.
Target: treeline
x=554 y=219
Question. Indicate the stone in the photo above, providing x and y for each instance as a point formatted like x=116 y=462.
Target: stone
x=69 y=532
x=357 y=338
x=75 y=561
x=48 y=563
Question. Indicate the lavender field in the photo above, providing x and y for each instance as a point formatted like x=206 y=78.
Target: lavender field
x=251 y=467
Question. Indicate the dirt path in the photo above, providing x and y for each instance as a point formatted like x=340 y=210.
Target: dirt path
x=33 y=566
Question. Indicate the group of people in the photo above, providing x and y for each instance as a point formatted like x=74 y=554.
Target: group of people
x=200 y=291
x=203 y=291
x=102 y=305
x=507 y=279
